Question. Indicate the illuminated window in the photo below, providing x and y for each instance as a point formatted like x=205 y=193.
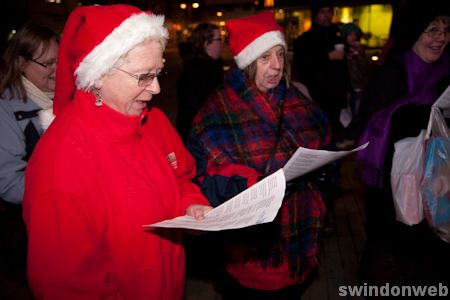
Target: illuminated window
x=53 y=1
x=269 y=3
x=374 y=21
x=346 y=13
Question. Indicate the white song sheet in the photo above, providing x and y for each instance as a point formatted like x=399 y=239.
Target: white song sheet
x=306 y=160
x=259 y=203
x=256 y=205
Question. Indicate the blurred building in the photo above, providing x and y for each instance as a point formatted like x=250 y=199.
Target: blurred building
x=374 y=17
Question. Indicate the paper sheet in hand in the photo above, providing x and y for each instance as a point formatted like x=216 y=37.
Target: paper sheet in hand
x=256 y=205
x=306 y=160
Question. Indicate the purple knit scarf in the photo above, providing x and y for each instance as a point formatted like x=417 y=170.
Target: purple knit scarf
x=421 y=79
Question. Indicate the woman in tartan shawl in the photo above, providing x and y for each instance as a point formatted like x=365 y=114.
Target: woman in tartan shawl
x=249 y=128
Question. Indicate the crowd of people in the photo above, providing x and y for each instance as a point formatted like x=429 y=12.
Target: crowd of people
x=86 y=159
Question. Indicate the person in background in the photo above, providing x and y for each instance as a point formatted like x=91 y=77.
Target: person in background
x=398 y=99
x=107 y=165
x=359 y=71
x=27 y=83
x=247 y=129
x=202 y=73
x=357 y=63
x=319 y=63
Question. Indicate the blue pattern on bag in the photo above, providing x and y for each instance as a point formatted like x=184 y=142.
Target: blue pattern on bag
x=437 y=180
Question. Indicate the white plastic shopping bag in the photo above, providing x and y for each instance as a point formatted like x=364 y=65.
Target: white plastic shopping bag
x=406 y=175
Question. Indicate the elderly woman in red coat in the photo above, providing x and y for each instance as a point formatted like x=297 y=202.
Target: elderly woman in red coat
x=108 y=165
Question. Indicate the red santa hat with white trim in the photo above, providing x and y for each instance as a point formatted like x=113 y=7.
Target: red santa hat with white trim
x=250 y=37
x=93 y=40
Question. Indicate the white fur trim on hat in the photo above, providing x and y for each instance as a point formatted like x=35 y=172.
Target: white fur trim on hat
x=122 y=39
x=260 y=45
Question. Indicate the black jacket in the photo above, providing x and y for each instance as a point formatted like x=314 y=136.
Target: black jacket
x=199 y=77
x=327 y=81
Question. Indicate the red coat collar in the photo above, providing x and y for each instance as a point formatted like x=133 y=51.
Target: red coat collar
x=105 y=121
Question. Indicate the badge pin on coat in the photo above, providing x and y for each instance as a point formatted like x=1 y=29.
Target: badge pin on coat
x=172 y=159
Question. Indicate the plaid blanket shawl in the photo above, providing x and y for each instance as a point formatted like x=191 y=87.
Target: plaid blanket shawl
x=232 y=139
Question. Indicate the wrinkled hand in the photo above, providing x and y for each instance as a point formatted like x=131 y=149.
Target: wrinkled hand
x=198 y=211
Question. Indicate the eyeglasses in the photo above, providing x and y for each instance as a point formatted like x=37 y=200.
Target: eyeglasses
x=435 y=32
x=145 y=79
x=45 y=65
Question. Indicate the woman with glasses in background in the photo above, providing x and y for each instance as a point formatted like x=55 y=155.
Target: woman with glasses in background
x=397 y=104
x=27 y=83
x=107 y=165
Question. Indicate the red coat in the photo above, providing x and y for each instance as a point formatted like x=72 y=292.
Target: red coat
x=94 y=179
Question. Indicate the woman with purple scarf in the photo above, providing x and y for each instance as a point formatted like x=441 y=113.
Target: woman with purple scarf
x=398 y=100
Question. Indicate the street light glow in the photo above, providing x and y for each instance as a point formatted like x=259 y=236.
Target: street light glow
x=195 y=5
x=183 y=6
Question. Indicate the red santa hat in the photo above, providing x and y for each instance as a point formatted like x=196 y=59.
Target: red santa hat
x=93 y=40
x=251 y=36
